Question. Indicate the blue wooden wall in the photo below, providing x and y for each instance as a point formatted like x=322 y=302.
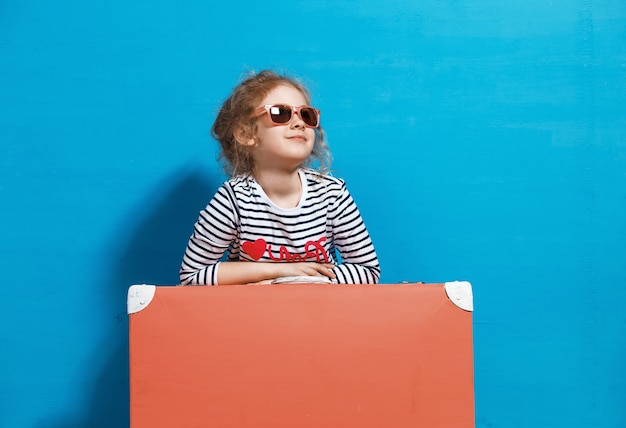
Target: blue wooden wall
x=483 y=140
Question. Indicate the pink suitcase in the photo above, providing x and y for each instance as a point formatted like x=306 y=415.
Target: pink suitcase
x=302 y=356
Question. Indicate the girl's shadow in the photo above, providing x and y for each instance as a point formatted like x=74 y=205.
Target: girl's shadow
x=148 y=249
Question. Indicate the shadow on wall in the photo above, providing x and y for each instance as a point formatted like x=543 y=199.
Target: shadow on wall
x=156 y=235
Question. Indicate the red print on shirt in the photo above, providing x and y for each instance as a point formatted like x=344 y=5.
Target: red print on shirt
x=312 y=250
x=255 y=249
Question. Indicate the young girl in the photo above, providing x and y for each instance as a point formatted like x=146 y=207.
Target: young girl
x=277 y=217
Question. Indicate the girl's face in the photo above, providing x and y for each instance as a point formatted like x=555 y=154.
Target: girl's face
x=284 y=146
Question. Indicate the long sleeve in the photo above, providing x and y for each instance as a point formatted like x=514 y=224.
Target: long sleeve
x=213 y=234
x=359 y=262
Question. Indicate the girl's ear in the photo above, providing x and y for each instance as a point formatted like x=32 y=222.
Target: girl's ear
x=244 y=137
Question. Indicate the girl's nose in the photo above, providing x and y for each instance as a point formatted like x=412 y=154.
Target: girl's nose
x=296 y=121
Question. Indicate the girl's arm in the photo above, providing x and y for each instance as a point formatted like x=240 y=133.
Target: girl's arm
x=249 y=272
x=359 y=260
x=213 y=233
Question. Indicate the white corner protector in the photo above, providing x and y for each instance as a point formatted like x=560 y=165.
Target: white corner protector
x=460 y=293
x=139 y=297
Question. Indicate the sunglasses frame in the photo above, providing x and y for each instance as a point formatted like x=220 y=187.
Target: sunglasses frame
x=294 y=110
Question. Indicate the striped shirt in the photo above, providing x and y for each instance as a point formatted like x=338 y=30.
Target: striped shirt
x=243 y=223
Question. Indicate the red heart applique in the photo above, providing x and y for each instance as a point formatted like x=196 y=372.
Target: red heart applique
x=255 y=249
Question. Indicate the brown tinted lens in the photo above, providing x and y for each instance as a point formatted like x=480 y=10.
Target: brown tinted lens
x=309 y=116
x=280 y=114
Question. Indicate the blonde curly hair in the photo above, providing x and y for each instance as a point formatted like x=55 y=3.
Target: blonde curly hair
x=236 y=115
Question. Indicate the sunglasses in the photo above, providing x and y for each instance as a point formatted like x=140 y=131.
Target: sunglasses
x=281 y=114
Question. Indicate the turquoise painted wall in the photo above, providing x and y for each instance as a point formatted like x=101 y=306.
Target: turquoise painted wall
x=483 y=140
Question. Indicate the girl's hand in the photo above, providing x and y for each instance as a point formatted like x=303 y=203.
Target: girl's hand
x=304 y=269
x=265 y=272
